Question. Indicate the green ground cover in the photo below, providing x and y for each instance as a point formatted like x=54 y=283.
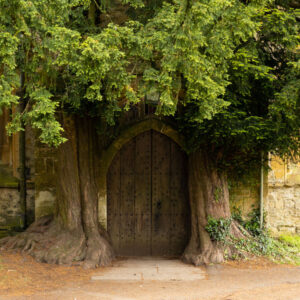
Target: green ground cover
x=257 y=241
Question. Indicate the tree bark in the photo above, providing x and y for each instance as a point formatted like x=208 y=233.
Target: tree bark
x=98 y=248
x=209 y=196
x=74 y=234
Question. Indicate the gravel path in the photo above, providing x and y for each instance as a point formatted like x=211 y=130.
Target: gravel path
x=257 y=279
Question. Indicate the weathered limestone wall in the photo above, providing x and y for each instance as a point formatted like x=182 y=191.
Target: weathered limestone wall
x=283 y=201
x=11 y=214
x=45 y=193
x=245 y=193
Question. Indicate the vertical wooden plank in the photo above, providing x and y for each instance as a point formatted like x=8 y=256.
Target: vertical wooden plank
x=179 y=201
x=126 y=205
x=143 y=194
x=160 y=194
x=113 y=200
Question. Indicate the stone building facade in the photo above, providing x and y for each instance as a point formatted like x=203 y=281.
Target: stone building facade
x=281 y=184
x=282 y=201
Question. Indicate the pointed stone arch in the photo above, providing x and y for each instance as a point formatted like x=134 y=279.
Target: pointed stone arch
x=125 y=136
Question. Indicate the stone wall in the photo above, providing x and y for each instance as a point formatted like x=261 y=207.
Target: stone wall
x=282 y=203
x=244 y=196
x=11 y=214
x=244 y=193
x=44 y=179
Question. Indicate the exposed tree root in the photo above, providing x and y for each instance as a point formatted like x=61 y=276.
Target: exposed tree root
x=47 y=242
x=212 y=254
x=99 y=253
x=202 y=250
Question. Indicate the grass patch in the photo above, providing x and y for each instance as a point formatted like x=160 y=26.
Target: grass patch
x=291 y=240
x=286 y=249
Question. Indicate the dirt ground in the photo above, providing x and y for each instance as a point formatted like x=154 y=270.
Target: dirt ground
x=23 y=278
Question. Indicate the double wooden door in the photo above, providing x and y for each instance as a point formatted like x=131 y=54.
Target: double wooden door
x=147 y=197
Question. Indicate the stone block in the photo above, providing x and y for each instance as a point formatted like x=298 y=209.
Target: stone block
x=297 y=192
x=289 y=203
x=270 y=205
x=44 y=203
x=279 y=204
x=286 y=228
x=10 y=207
x=49 y=165
x=297 y=203
x=293 y=179
x=273 y=212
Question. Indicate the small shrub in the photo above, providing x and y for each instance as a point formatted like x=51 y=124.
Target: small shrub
x=218 y=229
x=237 y=215
x=253 y=224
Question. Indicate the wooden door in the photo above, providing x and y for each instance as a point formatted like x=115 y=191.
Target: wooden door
x=148 y=209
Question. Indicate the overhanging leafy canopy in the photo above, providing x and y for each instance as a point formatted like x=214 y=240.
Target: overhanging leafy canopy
x=231 y=64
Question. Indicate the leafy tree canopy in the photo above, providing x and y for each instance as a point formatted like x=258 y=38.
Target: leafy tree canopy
x=227 y=69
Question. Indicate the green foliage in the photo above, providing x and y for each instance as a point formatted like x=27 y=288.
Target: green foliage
x=254 y=245
x=291 y=240
x=259 y=241
x=228 y=70
x=263 y=93
x=236 y=214
x=276 y=249
x=253 y=223
x=218 y=229
x=285 y=249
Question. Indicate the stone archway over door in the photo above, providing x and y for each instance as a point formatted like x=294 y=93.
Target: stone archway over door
x=147 y=197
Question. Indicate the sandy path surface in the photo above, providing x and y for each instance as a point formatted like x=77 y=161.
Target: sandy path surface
x=22 y=278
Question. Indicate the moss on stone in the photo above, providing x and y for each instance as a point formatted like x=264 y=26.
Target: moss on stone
x=12 y=223
x=292 y=240
x=6 y=178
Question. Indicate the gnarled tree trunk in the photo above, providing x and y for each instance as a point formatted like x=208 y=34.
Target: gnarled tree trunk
x=74 y=234
x=209 y=196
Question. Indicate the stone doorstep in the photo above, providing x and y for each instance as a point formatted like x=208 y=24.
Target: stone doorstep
x=145 y=269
